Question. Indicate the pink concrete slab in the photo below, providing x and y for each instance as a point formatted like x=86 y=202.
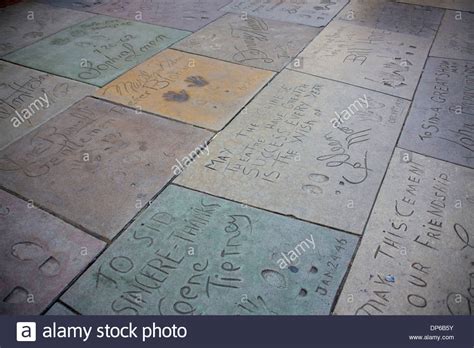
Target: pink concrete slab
x=39 y=256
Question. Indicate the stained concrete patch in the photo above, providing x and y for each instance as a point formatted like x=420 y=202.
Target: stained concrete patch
x=188 y=15
x=35 y=95
x=190 y=253
x=285 y=151
x=97 y=50
x=27 y=22
x=316 y=13
x=416 y=255
x=396 y=17
x=463 y=5
x=59 y=309
x=253 y=41
x=440 y=123
x=455 y=36
x=381 y=60
x=97 y=164
x=190 y=88
x=39 y=256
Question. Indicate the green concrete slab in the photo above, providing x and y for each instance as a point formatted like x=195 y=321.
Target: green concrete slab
x=97 y=50
x=190 y=253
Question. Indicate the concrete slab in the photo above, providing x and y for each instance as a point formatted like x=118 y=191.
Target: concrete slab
x=97 y=50
x=396 y=17
x=190 y=88
x=256 y=42
x=190 y=253
x=316 y=13
x=380 y=60
x=288 y=143
x=455 y=36
x=97 y=164
x=81 y=5
x=59 y=309
x=440 y=123
x=463 y=5
x=416 y=255
x=21 y=89
x=27 y=22
x=188 y=15
x=39 y=256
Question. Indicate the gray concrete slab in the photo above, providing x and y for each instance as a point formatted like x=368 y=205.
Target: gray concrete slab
x=27 y=22
x=305 y=147
x=29 y=98
x=455 y=37
x=440 y=123
x=463 y=5
x=256 y=42
x=187 y=15
x=316 y=13
x=380 y=60
x=416 y=256
x=97 y=164
x=390 y=16
x=190 y=253
x=39 y=256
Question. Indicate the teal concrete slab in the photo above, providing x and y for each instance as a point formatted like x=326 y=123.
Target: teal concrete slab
x=39 y=256
x=316 y=13
x=59 y=309
x=440 y=123
x=98 y=164
x=191 y=253
x=97 y=50
x=27 y=22
x=256 y=42
x=28 y=98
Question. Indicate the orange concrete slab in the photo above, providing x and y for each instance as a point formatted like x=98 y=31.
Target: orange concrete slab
x=187 y=87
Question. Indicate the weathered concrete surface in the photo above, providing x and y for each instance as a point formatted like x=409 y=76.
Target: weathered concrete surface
x=455 y=37
x=39 y=256
x=190 y=253
x=395 y=17
x=440 y=123
x=22 y=88
x=380 y=60
x=287 y=143
x=96 y=163
x=97 y=50
x=59 y=309
x=187 y=15
x=416 y=255
x=463 y=5
x=81 y=5
x=27 y=22
x=316 y=13
x=253 y=41
x=187 y=87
